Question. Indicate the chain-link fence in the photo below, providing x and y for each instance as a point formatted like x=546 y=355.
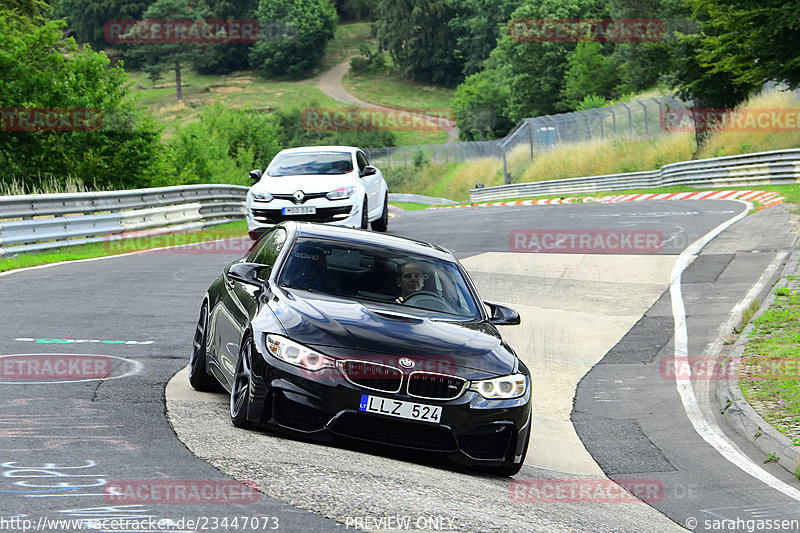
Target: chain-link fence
x=640 y=118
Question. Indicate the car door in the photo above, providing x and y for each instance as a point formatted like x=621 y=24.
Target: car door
x=372 y=184
x=239 y=303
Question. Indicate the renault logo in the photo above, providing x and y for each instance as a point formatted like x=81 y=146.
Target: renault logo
x=298 y=197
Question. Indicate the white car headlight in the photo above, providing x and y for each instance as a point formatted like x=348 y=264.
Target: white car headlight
x=297 y=354
x=341 y=193
x=261 y=196
x=505 y=387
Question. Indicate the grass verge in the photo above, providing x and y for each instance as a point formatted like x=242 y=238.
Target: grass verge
x=392 y=90
x=231 y=230
x=409 y=206
x=770 y=369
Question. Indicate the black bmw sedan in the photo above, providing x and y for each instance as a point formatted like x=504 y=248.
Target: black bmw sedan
x=329 y=332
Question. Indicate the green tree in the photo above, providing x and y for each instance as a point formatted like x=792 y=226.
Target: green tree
x=589 y=72
x=703 y=86
x=477 y=24
x=534 y=71
x=299 y=30
x=224 y=58
x=752 y=41
x=41 y=70
x=479 y=106
x=417 y=35
x=356 y=9
x=86 y=18
x=175 y=53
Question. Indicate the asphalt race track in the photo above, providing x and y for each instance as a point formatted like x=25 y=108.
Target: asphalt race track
x=596 y=327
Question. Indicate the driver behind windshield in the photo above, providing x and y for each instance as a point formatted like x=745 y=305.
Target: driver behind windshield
x=409 y=279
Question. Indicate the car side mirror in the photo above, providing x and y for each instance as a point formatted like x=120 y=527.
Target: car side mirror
x=255 y=175
x=249 y=273
x=502 y=315
x=369 y=170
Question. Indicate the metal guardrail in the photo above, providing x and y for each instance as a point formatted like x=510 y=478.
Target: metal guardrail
x=764 y=168
x=44 y=221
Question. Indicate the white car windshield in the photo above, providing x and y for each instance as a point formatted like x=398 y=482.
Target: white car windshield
x=311 y=163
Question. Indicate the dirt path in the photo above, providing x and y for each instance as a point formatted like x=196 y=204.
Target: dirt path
x=330 y=83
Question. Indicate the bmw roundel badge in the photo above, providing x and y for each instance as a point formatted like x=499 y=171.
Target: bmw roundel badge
x=405 y=362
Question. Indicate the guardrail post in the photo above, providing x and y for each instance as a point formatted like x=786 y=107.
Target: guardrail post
x=506 y=175
x=630 y=118
x=644 y=107
x=530 y=136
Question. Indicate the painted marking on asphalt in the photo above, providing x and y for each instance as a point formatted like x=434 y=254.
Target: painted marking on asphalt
x=80 y=341
x=135 y=368
x=710 y=433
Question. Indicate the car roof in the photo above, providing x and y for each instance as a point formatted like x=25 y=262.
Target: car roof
x=359 y=236
x=311 y=149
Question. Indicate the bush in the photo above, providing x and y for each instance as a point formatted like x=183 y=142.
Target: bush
x=591 y=101
x=224 y=146
x=43 y=70
x=297 y=44
x=368 y=62
x=479 y=107
x=292 y=133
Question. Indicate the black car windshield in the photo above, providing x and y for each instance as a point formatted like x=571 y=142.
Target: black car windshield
x=311 y=163
x=411 y=283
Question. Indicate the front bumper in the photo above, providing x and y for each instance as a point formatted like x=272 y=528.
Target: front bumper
x=323 y=405
x=263 y=215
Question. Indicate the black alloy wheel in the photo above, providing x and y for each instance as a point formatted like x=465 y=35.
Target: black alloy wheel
x=240 y=388
x=198 y=376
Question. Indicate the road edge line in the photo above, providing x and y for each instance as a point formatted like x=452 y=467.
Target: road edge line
x=709 y=431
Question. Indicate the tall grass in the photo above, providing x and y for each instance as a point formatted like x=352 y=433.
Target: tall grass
x=448 y=180
x=604 y=156
x=43 y=185
x=730 y=142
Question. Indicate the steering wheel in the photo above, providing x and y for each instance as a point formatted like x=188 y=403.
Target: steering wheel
x=428 y=300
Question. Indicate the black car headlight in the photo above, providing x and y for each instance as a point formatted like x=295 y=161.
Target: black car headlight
x=502 y=388
x=296 y=354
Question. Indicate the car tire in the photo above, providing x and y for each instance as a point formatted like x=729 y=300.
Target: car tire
x=382 y=224
x=365 y=215
x=199 y=378
x=240 y=388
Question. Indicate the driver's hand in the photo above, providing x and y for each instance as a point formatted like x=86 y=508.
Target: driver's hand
x=399 y=299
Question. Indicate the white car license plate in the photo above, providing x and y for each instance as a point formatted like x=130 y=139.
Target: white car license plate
x=305 y=210
x=401 y=409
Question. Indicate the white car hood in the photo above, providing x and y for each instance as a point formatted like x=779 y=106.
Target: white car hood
x=307 y=183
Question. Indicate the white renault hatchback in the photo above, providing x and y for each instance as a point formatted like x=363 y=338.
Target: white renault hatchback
x=332 y=184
